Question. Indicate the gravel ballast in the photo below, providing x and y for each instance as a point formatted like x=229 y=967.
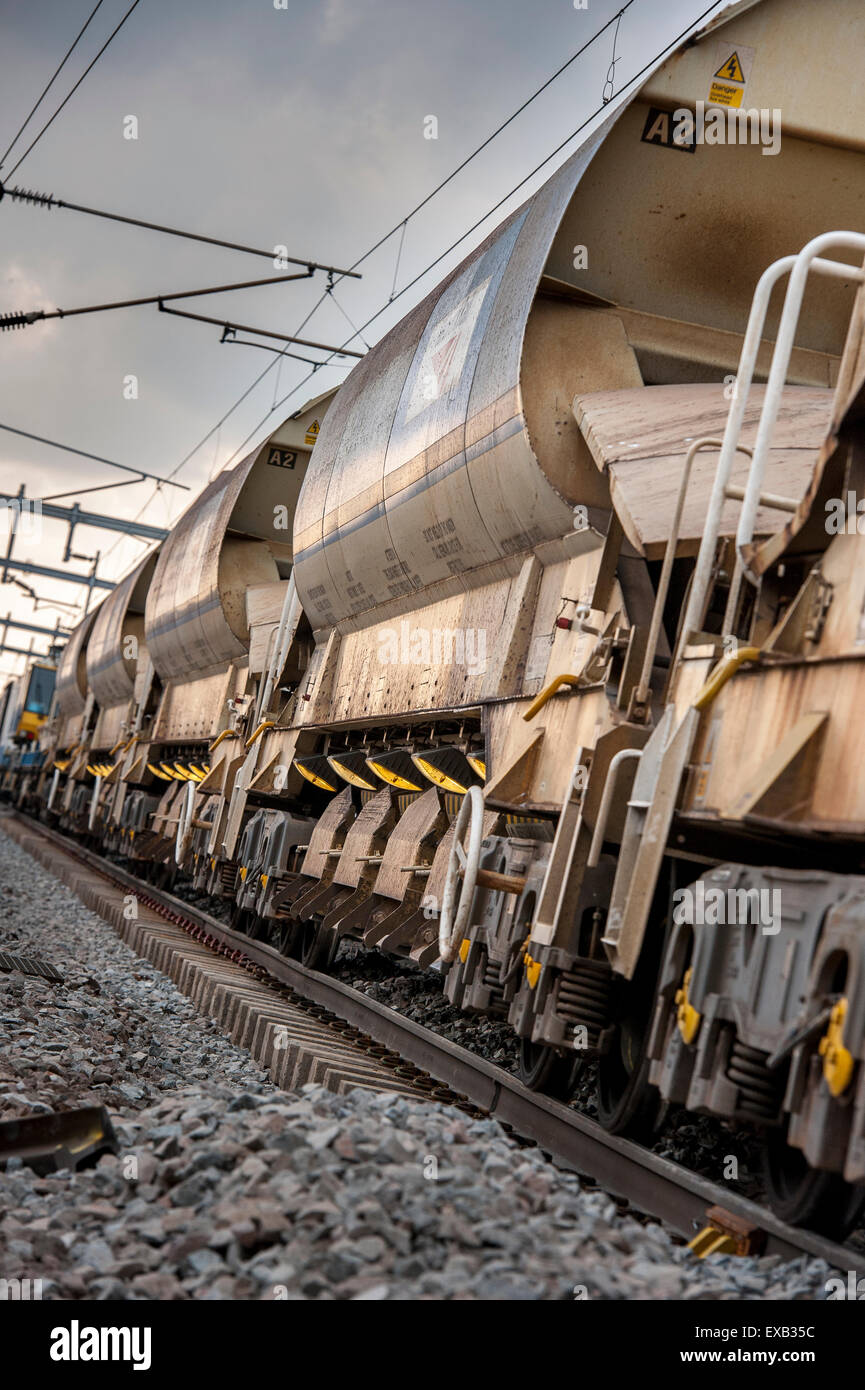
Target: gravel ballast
x=227 y=1188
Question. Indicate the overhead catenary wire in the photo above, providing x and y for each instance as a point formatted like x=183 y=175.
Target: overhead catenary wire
x=69 y=95
x=229 y=327
x=143 y=475
x=615 y=19
x=271 y=347
x=52 y=79
x=102 y=487
x=47 y=200
x=218 y=426
x=432 y=264
x=400 y=226
x=23 y=320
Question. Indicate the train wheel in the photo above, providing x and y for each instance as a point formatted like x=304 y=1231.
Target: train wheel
x=162 y=876
x=240 y=920
x=806 y=1196
x=318 y=948
x=542 y=1068
x=287 y=937
x=627 y=1103
x=257 y=929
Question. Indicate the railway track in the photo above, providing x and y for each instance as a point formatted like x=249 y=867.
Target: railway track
x=304 y=1026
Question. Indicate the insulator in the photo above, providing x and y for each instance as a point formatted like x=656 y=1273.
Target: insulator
x=10 y=321
x=29 y=195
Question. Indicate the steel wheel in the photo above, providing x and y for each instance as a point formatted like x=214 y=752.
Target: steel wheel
x=627 y=1103
x=257 y=928
x=239 y=919
x=163 y=876
x=806 y=1196
x=318 y=948
x=287 y=936
x=542 y=1068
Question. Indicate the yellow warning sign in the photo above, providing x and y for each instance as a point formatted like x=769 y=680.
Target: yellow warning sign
x=312 y=433
x=731 y=71
x=725 y=94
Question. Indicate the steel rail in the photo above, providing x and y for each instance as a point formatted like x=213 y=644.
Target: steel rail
x=653 y=1185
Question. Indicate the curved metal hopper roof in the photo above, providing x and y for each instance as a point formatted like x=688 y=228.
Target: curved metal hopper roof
x=110 y=672
x=424 y=467
x=186 y=627
x=71 y=688
x=235 y=535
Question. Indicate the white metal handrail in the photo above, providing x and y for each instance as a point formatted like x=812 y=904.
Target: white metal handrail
x=706 y=442
x=799 y=267
x=623 y=755
x=279 y=646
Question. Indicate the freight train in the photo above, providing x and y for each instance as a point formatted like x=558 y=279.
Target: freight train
x=531 y=654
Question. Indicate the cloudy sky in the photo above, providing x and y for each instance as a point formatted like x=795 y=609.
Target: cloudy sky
x=301 y=125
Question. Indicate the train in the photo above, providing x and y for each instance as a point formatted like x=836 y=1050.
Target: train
x=531 y=653
x=25 y=704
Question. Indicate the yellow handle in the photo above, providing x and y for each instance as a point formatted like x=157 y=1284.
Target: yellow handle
x=547 y=694
x=126 y=746
x=265 y=724
x=722 y=673
x=226 y=733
